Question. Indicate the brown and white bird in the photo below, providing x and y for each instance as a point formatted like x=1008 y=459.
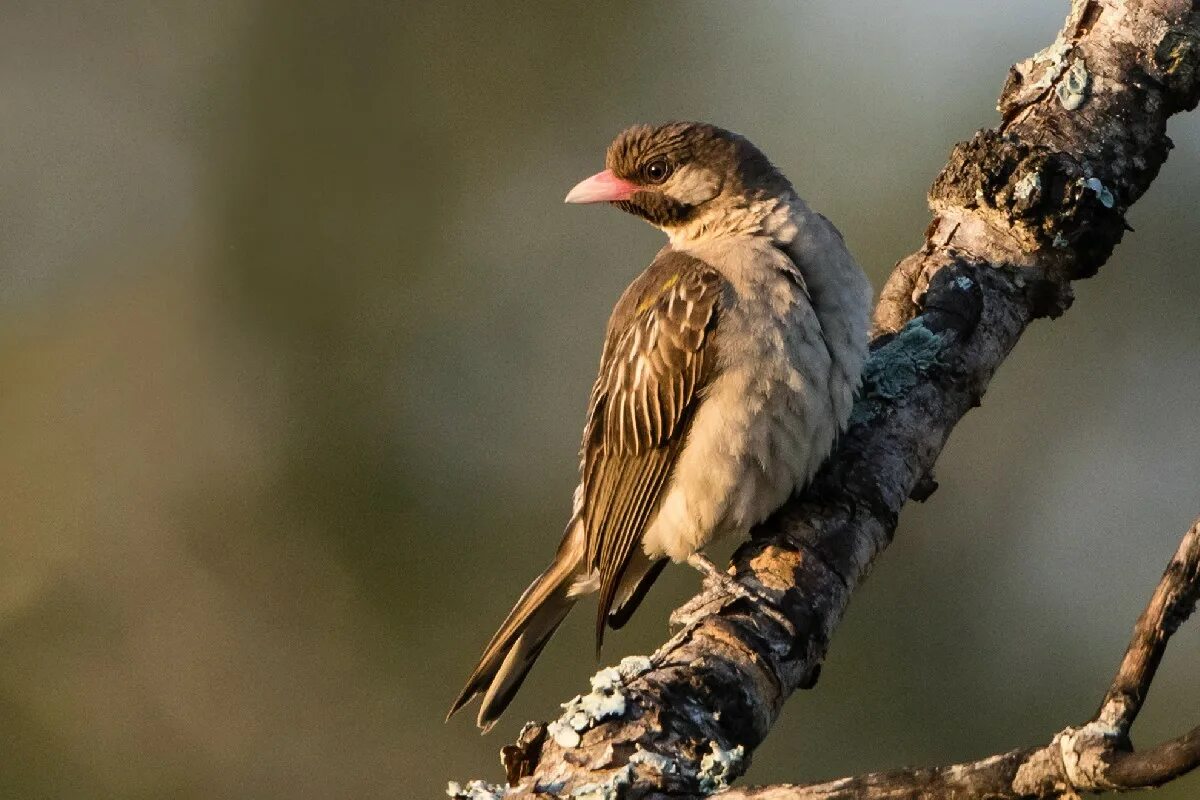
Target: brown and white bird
x=729 y=367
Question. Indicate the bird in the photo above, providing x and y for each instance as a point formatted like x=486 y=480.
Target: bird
x=728 y=369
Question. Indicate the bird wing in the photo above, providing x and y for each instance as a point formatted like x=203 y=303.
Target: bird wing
x=658 y=355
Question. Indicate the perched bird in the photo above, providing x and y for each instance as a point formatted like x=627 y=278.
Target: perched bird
x=728 y=369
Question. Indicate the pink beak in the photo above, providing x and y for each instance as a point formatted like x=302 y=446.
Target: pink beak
x=603 y=187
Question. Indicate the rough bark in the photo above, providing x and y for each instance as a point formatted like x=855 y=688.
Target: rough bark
x=1095 y=757
x=1020 y=211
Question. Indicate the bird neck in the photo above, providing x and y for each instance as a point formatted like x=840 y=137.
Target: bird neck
x=773 y=217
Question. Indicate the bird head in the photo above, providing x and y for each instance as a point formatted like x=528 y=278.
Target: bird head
x=685 y=175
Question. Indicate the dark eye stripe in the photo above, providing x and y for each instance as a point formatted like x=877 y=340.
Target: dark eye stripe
x=657 y=208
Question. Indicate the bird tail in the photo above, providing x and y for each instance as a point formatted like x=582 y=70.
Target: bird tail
x=513 y=649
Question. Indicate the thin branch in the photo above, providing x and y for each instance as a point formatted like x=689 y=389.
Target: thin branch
x=1159 y=764
x=1092 y=758
x=1173 y=601
x=1020 y=212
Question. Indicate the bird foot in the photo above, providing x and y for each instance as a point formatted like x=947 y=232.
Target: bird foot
x=689 y=614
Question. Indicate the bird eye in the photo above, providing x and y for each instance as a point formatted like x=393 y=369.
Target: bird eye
x=657 y=170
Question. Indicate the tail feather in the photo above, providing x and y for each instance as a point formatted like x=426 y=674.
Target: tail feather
x=635 y=583
x=520 y=659
x=516 y=645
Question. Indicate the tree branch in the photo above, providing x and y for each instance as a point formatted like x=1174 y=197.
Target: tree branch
x=1173 y=600
x=1020 y=211
x=1093 y=758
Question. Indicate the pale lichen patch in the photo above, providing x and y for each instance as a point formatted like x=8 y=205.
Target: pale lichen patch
x=719 y=767
x=1072 y=89
x=474 y=790
x=1103 y=194
x=633 y=666
x=1027 y=187
x=607 y=697
x=659 y=763
x=1054 y=57
x=605 y=701
x=608 y=789
x=563 y=734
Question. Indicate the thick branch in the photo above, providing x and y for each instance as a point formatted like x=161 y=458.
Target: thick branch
x=1093 y=758
x=1019 y=212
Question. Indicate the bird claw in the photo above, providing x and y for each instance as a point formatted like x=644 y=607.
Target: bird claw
x=693 y=611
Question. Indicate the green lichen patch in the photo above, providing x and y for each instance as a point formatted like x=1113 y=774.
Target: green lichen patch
x=896 y=368
x=1072 y=89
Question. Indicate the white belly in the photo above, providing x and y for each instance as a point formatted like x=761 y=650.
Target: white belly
x=769 y=416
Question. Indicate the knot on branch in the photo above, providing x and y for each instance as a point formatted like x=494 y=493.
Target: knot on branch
x=1049 y=204
x=1076 y=760
x=1177 y=60
x=953 y=301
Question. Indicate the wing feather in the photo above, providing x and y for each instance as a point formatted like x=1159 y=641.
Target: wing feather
x=657 y=356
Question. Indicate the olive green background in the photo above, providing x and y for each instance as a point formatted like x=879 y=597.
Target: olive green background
x=296 y=335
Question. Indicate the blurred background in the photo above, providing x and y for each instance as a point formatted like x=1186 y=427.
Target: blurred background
x=296 y=337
